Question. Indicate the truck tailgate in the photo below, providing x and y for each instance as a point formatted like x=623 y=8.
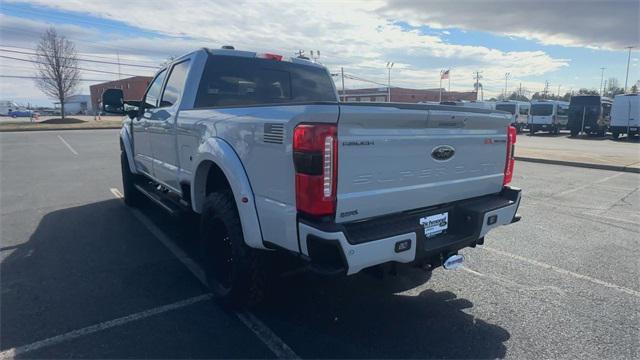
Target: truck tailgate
x=394 y=158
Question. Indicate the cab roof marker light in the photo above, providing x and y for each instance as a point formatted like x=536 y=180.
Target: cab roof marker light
x=270 y=56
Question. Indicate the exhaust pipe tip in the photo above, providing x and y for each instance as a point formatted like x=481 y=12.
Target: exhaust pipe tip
x=453 y=262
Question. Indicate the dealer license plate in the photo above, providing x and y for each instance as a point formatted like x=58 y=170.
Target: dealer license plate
x=435 y=224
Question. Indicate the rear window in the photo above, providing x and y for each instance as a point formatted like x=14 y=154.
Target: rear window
x=541 y=109
x=510 y=108
x=238 y=81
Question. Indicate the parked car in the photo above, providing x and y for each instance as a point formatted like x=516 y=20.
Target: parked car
x=547 y=115
x=261 y=147
x=590 y=114
x=519 y=111
x=21 y=113
x=625 y=115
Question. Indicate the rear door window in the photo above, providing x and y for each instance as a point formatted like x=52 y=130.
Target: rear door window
x=238 y=81
x=175 y=84
x=510 y=108
x=524 y=110
x=541 y=109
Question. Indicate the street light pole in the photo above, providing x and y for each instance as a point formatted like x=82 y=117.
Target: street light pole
x=601 y=80
x=626 y=78
x=389 y=66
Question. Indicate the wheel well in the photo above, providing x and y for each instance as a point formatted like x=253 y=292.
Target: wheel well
x=209 y=178
x=216 y=180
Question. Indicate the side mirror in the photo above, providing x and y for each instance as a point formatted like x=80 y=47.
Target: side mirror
x=113 y=101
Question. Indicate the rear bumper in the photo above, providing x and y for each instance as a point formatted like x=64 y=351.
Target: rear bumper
x=631 y=130
x=350 y=248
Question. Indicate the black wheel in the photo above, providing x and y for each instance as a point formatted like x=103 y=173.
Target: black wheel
x=615 y=135
x=235 y=273
x=132 y=197
x=574 y=132
x=531 y=131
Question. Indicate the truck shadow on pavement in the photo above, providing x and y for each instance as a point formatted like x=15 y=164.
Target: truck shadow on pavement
x=93 y=263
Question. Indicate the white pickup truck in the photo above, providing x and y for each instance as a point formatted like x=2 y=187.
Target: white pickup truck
x=262 y=149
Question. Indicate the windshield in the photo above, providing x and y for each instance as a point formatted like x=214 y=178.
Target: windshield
x=541 y=109
x=510 y=108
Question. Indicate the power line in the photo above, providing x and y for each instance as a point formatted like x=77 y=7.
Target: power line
x=79 y=68
x=89 y=54
x=37 y=77
x=84 y=60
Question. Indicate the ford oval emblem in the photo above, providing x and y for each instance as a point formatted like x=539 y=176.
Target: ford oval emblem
x=443 y=152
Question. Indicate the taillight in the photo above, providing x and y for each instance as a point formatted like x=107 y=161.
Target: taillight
x=511 y=162
x=315 y=157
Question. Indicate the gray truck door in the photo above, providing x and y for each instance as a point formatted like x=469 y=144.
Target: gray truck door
x=143 y=155
x=162 y=127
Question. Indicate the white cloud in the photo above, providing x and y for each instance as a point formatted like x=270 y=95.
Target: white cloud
x=586 y=23
x=353 y=35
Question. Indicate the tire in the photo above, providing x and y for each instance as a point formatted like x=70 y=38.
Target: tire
x=615 y=135
x=574 y=132
x=132 y=197
x=235 y=273
x=531 y=131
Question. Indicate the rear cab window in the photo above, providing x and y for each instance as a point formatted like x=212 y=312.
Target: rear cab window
x=229 y=81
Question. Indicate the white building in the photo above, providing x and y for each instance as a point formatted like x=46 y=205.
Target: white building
x=76 y=104
x=7 y=106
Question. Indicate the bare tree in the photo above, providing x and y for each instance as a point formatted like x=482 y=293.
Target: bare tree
x=57 y=66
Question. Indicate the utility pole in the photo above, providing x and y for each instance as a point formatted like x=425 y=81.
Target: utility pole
x=344 y=96
x=118 y=56
x=601 y=80
x=389 y=66
x=507 y=76
x=559 y=92
x=546 y=89
x=477 y=77
x=604 y=89
x=519 y=92
x=626 y=77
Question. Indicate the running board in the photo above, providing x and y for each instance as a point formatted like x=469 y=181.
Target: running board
x=163 y=201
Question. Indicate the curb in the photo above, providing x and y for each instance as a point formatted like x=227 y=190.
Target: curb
x=63 y=128
x=580 y=164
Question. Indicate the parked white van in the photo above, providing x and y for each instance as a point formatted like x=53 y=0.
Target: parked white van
x=548 y=115
x=625 y=115
x=519 y=111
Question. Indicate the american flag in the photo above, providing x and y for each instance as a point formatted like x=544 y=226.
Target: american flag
x=444 y=74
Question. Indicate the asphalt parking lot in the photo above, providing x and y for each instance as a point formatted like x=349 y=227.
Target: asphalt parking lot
x=83 y=276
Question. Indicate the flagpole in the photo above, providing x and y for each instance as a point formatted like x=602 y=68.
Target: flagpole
x=440 y=88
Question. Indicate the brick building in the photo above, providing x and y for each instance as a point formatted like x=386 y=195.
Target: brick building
x=404 y=95
x=133 y=89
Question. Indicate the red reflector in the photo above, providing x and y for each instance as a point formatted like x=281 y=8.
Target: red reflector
x=316 y=182
x=510 y=161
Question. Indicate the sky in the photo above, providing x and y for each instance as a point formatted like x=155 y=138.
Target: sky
x=563 y=42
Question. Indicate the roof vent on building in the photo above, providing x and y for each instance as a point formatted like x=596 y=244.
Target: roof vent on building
x=228 y=47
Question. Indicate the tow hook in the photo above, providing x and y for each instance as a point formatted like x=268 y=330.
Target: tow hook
x=453 y=262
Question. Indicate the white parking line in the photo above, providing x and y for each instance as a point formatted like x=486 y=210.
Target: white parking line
x=565 y=272
x=13 y=352
x=68 y=146
x=262 y=331
x=578 y=188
